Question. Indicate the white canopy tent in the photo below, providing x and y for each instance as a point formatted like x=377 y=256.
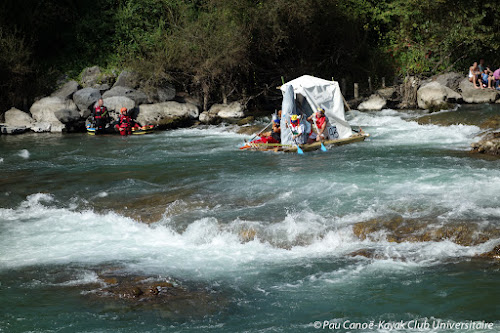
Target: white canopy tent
x=309 y=94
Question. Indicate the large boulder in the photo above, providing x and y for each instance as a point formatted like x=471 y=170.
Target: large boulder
x=489 y=144
x=85 y=98
x=435 y=96
x=451 y=80
x=159 y=94
x=227 y=111
x=127 y=79
x=60 y=114
x=137 y=96
x=115 y=103
x=473 y=95
x=93 y=77
x=374 y=103
x=168 y=114
x=209 y=118
x=66 y=91
x=16 y=118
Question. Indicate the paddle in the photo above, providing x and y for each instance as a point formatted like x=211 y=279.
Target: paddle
x=256 y=135
x=323 y=148
x=299 y=150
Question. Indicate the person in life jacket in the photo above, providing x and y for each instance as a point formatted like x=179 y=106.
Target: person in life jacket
x=100 y=115
x=321 y=123
x=125 y=123
x=298 y=129
x=273 y=136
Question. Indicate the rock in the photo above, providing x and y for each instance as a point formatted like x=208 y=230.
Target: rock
x=59 y=113
x=493 y=254
x=41 y=127
x=208 y=118
x=168 y=114
x=66 y=91
x=18 y=118
x=489 y=144
x=93 y=77
x=183 y=97
x=85 y=99
x=472 y=95
x=227 y=111
x=398 y=229
x=374 y=103
x=5 y=129
x=127 y=79
x=389 y=93
x=434 y=96
x=137 y=96
x=408 y=90
x=115 y=103
x=451 y=80
x=159 y=95
x=367 y=253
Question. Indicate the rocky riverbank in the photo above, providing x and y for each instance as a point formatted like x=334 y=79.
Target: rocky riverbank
x=67 y=109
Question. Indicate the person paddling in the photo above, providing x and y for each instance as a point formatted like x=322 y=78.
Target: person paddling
x=298 y=129
x=100 y=115
x=321 y=122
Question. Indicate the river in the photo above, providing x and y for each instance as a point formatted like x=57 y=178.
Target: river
x=269 y=234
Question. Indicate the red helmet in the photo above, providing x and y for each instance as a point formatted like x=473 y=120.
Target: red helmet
x=123 y=110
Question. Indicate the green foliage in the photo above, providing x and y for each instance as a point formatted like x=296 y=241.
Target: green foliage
x=243 y=45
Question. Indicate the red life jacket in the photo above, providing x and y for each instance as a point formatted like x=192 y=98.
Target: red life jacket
x=125 y=121
x=320 y=121
x=99 y=112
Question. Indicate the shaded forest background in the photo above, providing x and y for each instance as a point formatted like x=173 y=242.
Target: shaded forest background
x=238 y=47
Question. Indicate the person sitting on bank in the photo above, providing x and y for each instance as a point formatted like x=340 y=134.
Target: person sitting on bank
x=487 y=79
x=474 y=76
x=100 y=115
x=320 y=122
x=496 y=76
x=298 y=130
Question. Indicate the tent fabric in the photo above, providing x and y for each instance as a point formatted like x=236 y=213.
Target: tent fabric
x=318 y=93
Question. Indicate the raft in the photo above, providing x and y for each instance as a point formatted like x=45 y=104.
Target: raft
x=357 y=137
x=148 y=129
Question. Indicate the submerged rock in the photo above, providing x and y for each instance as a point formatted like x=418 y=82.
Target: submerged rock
x=493 y=254
x=166 y=295
x=489 y=144
x=398 y=229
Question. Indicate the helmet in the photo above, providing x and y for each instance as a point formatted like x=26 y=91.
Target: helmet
x=294 y=118
x=321 y=110
x=123 y=110
x=277 y=120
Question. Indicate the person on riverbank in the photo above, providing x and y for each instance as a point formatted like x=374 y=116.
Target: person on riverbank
x=320 y=122
x=474 y=76
x=100 y=115
x=487 y=79
x=482 y=67
x=496 y=76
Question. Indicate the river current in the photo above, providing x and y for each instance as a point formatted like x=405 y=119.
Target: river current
x=270 y=234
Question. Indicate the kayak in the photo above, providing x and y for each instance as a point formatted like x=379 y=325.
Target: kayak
x=357 y=137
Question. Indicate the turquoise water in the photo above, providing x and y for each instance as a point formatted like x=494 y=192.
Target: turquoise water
x=176 y=204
